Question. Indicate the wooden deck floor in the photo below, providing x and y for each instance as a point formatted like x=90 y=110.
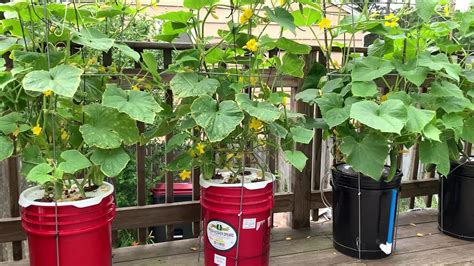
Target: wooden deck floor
x=419 y=243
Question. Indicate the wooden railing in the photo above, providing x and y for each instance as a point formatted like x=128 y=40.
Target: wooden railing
x=305 y=190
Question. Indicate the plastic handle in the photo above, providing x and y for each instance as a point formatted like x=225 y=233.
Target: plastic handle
x=392 y=216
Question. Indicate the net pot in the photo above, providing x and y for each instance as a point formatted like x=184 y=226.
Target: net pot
x=371 y=237
x=76 y=233
x=237 y=220
x=456 y=214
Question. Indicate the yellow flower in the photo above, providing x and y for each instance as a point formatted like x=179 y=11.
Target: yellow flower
x=282 y=2
x=255 y=124
x=251 y=45
x=92 y=61
x=135 y=88
x=325 y=23
x=374 y=14
x=102 y=69
x=253 y=80
x=391 y=20
x=384 y=98
x=229 y=156
x=200 y=148
x=446 y=10
x=284 y=100
x=241 y=79
x=185 y=174
x=64 y=135
x=37 y=130
x=48 y=93
x=246 y=15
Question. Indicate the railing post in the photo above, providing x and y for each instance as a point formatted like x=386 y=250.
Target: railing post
x=301 y=182
x=13 y=184
x=141 y=181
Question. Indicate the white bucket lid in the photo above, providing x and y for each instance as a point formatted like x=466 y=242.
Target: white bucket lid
x=269 y=178
x=30 y=195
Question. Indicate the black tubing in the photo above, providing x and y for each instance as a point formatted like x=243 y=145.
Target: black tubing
x=375 y=211
x=456 y=192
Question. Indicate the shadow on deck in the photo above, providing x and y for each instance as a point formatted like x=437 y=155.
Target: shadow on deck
x=418 y=242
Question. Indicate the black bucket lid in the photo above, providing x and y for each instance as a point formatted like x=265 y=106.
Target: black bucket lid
x=344 y=174
x=464 y=167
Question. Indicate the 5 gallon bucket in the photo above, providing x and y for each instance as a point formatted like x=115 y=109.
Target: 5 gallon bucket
x=372 y=236
x=75 y=233
x=456 y=212
x=233 y=234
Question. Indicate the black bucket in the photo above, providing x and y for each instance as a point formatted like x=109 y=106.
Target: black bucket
x=378 y=204
x=456 y=197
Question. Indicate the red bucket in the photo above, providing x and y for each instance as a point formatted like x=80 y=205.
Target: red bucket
x=230 y=237
x=75 y=233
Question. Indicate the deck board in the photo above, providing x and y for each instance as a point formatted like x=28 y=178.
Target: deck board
x=418 y=242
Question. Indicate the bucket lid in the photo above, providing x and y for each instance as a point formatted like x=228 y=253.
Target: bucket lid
x=464 y=167
x=344 y=174
x=30 y=195
x=248 y=184
x=178 y=189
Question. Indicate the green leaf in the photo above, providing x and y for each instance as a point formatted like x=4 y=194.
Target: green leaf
x=371 y=68
x=306 y=17
x=176 y=16
x=262 y=110
x=292 y=65
x=418 y=119
x=433 y=152
x=106 y=128
x=188 y=85
x=432 y=132
x=182 y=161
x=62 y=80
x=454 y=122
x=332 y=85
x=364 y=88
x=296 y=158
x=390 y=116
x=9 y=122
x=6 y=148
x=292 y=46
x=414 y=74
x=468 y=130
x=73 y=162
x=314 y=75
x=308 y=96
x=438 y=62
x=128 y=51
x=446 y=89
x=277 y=130
x=150 y=63
x=332 y=109
x=366 y=156
x=93 y=38
x=9 y=44
x=218 y=121
x=139 y=105
x=111 y=162
x=176 y=141
x=301 y=134
x=40 y=174
x=426 y=8
x=282 y=17
x=198 y=4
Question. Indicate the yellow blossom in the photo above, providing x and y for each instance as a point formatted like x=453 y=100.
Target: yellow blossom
x=16 y=132
x=251 y=45
x=325 y=23
x=193 y=153
x=391 y=24
x=284 y=100
x=391 y=20
x=200 y=148
x=246 y=15
x=48 y=93
x=102 y=69
x=383 y=98
x=282 y=2
x=229 y=156
x=374 y=14
x=446 y=10
x=241 y=79
x=37 y=130
x=135 y=88
x=185 y=174
x=253 y=80
x=64 y=135
x=92 y=61
x=255 y=124
x=389 y=16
